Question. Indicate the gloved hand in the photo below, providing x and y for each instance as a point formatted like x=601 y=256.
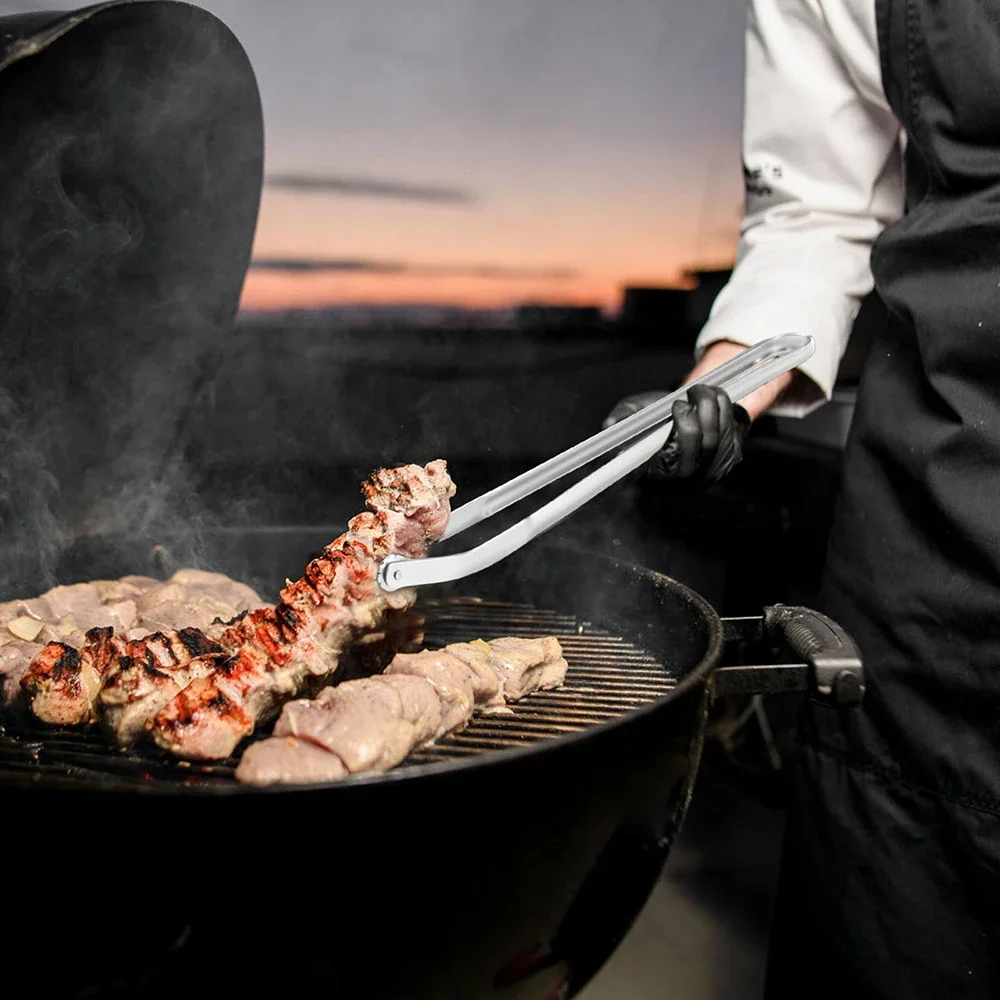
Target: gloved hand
x=707 y=438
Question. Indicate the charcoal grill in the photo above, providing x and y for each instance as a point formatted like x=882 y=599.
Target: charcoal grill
x=505 y=861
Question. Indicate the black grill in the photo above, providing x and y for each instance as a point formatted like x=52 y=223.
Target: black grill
x=607 y=677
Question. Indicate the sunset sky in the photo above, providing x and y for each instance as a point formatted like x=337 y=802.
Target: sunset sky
x=572 y=146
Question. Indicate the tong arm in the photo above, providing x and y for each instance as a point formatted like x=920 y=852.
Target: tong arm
x=739 y=376
x=747 y=372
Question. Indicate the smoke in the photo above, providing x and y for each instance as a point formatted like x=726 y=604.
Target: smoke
x=371 y=188
x=28 y=495
x=130 y=174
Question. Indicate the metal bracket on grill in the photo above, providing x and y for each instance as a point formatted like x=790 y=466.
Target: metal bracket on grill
x=833 y=671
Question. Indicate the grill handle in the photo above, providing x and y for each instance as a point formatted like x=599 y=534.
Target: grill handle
x=835 y=661
x=833 y=671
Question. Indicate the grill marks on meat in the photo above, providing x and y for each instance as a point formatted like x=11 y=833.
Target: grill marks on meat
x=204 y=721
x=63 y=672
x=374 y=723
x=274 y=653
x=147 y=673
x=63 y=682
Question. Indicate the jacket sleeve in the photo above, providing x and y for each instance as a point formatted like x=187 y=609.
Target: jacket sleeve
x=822 y=167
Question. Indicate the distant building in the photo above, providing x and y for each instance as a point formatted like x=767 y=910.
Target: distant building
x=707 y=285
x=558 y=319
x=654 y=314
x=671 y=317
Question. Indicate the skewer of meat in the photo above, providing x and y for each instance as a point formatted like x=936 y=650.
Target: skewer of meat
x=64 y=680
x=273 y=653
x=374 y=723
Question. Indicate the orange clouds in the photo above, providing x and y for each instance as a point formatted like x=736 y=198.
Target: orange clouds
x=275 y=290
x=605 y=235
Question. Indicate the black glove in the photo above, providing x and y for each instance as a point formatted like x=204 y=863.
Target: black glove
x=708 y=434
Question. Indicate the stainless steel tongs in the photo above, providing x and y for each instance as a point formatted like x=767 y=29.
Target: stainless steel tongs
x=738 y=377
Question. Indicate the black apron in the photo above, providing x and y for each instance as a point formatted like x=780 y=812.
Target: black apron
x=891 y=882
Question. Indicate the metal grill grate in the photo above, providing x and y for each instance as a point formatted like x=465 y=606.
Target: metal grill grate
x=607 y=677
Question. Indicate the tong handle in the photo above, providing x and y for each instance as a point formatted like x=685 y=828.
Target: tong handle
x=738 y=377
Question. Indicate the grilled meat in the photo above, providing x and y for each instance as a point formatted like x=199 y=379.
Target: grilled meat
x=484 y=669
x=451 y=680
x=34 y=607
x=62 y=682
x=206 y=720
x=62 y=601
x=205 y=614
x=287 y=760
x=46 y=649
x=362 y=722
x=164 y=593
x=194 y=598
x=528 y=665
x=128 y=588
x=147 y=673
x=120 y=616
x=15 y=660
x=199 y=583
x=372 y=724
x=277 y=652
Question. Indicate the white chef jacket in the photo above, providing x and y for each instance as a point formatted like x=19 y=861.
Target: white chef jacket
x=822 y=154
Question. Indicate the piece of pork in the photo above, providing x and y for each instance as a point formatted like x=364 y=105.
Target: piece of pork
x=199 y=613
x=35 y=607
x=204 y=721
x=113 y=591
x=9 y=610
x=15 y=661
x=70 y=599
x=288 y=760
x=164 y=593
x=147 y=674
x=485 y=669
x=120 y=616
x=362 y=722
x=62 y=682
x=451 y=678
x=200 y=583
x=369 y=724
x=528 y=665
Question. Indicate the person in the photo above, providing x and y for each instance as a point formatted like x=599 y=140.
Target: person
x=872 y=157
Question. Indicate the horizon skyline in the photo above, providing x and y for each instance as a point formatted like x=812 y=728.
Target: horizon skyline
x=610 y=303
